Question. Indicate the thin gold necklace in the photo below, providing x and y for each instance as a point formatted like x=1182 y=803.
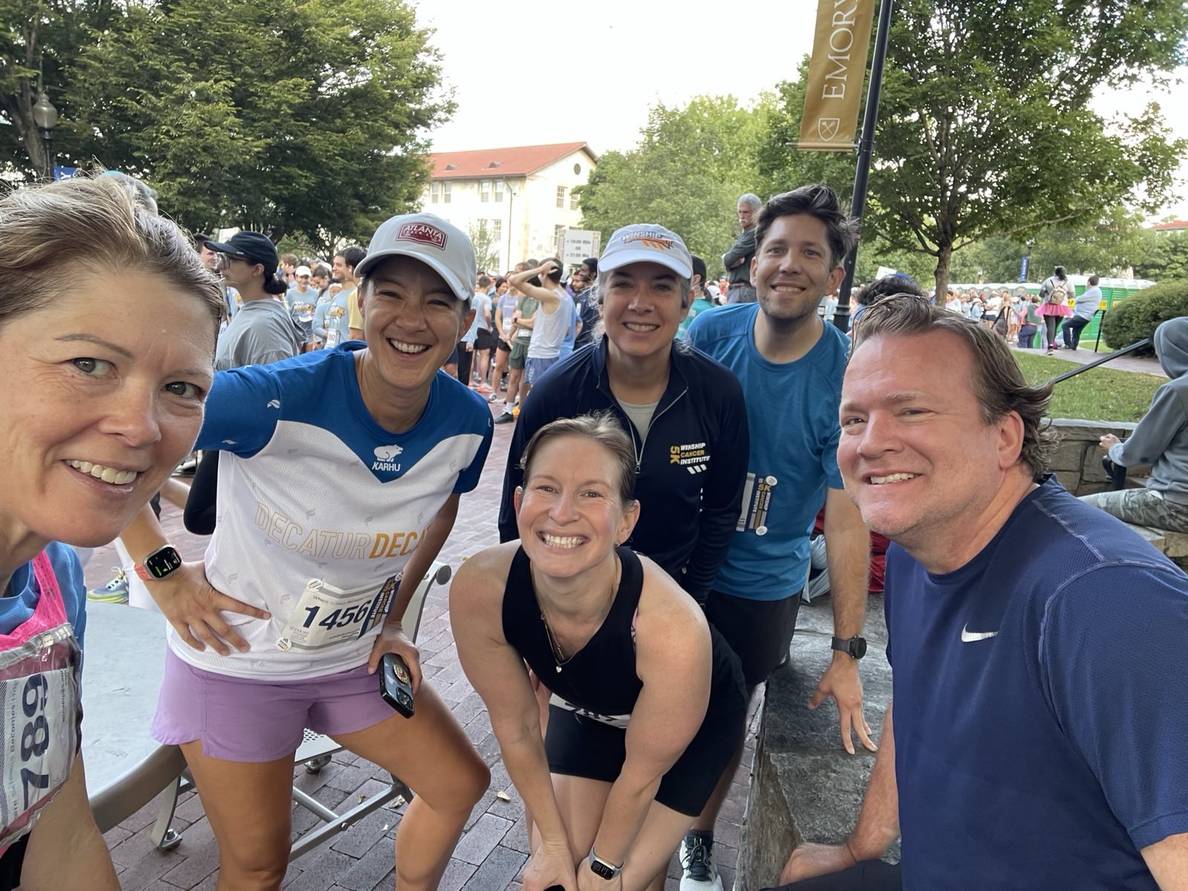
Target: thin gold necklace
x=560 y=660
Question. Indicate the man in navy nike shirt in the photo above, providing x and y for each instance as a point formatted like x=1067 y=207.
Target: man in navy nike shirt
x=1040 y=736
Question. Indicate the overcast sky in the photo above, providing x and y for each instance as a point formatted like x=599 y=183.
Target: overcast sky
x=538 y=71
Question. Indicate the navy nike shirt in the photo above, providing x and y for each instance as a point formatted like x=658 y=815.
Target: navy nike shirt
x=1041 y=705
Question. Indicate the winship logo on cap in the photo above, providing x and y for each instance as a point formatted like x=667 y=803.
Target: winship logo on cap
x=656 y=240
x=425 y=233
x=646 y=243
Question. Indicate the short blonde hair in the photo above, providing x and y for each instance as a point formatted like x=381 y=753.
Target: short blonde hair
x=602 y=427
x=96 y=221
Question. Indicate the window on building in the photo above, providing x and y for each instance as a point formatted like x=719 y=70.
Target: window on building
x=573 y=200
x=497 y=230
x=561 y=196
x=445 y=192
x=558 y=236
x=484 y=190
x=498 y=190
x=434 y=192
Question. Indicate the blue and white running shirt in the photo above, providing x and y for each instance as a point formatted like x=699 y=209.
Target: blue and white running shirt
x=311 y=487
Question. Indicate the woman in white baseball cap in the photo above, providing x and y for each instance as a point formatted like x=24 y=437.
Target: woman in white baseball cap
x=340 y=479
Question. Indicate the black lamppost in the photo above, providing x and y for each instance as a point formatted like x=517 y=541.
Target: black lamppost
x=45 y=116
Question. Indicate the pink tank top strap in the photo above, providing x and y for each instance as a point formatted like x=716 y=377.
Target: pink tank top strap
x=50 y=612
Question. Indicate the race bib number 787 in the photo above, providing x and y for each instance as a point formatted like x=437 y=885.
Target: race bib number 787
x=40 y=739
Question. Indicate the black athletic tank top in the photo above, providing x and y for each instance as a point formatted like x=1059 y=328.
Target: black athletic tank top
x=600 y=677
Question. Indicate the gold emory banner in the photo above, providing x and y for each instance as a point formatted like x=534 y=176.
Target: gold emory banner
x=836 y=74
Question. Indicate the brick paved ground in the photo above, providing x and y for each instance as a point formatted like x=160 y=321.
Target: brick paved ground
x=494 y=847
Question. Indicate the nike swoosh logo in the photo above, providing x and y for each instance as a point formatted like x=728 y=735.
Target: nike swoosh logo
x=968 y=636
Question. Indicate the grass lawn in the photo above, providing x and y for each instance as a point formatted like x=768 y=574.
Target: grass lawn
x=1097 y=395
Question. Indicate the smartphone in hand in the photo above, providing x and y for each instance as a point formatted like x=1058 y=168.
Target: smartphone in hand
x=396 y=684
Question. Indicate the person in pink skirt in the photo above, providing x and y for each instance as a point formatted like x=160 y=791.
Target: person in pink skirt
x=1054 y=295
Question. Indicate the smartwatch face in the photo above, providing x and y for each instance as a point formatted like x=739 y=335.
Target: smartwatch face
x=163 y=562
x=858 y=647
x=601 y=869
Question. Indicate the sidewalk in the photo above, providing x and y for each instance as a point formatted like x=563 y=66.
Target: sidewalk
x=493 y=849
x=1085 y=355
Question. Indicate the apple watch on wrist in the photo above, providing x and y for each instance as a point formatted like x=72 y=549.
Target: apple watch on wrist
x=852 y=646
x=603 y=868
x=162 y=562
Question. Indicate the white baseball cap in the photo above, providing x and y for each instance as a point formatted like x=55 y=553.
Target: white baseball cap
x=646 y=243
x=441 y=246
x=301 y=270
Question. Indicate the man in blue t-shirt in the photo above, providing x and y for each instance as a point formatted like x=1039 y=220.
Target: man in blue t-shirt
x=1037 y=643
x=790 y=365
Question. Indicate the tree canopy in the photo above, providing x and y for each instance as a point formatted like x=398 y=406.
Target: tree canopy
x=294 y=117
x=985 y=126
x=687 y=173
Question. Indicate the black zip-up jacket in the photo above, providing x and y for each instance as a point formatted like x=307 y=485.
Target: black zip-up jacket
x=692 y=463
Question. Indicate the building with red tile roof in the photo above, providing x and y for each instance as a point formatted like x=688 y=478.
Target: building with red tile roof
x=515 y=202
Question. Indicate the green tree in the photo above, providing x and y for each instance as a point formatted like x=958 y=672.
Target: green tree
x=1166 y=258
x=303 y=117
x=1107 y=246
x=486 y=248
x=39 y=43
x=985 y=127
x=687 y=172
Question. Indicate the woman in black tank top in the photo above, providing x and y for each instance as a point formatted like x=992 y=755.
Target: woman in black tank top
x=645 y=703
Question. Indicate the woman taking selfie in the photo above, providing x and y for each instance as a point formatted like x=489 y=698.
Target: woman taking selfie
x=646 y=705
x=107 y=335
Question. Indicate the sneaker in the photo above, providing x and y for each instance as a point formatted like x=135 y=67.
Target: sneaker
x=818 y=555
x=506 y=418
x=187 y=467
x=697 y=864
x=495 y=397
x=115 y=591
x=817 y=586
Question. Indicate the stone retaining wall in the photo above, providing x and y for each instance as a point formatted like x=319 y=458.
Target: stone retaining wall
x=1076 y=460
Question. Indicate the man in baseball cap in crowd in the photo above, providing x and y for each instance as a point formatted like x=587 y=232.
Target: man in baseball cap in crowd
x=683 y=411
x=262 y=330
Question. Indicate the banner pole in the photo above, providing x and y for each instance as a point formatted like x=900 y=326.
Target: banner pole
x=870 y=117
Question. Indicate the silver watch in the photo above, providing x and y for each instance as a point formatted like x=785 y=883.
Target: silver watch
x=602 y=868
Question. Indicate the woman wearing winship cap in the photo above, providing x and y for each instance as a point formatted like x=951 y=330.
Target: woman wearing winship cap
x=98 y=405
x=340 y=480
x=646 y=701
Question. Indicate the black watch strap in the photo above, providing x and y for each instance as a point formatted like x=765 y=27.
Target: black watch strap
x=854 y=647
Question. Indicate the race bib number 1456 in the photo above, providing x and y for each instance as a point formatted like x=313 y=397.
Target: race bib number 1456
x=326 y=615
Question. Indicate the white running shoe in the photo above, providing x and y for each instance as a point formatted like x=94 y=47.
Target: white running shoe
x=697 y=864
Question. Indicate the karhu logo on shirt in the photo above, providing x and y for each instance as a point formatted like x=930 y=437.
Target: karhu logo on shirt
x=425 y=233
x=385 y=458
